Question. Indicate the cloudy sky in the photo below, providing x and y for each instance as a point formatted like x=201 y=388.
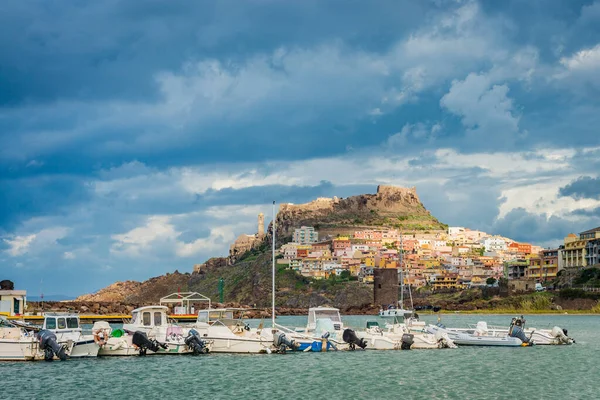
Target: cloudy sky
x=138 y=138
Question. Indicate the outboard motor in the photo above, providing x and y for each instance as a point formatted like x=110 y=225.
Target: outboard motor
x=516 y=330
x=444 y=340
x=407 y=341
x=561 y=336
x=281 y=342
x=140 y=339
x=194 y=342
x=50 y=346
x=349 y=336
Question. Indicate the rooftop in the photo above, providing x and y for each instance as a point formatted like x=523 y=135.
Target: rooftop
x=591 y=231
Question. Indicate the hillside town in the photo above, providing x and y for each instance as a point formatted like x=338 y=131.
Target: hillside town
x=457 y=258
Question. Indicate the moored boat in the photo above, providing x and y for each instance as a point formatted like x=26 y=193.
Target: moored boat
x=148 y=332
x=20 y=344
x=227 y=333
x=515 y=336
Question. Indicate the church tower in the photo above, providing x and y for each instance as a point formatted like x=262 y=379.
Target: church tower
x=261 y=224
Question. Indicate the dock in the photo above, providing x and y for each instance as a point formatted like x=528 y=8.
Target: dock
x=90 y=319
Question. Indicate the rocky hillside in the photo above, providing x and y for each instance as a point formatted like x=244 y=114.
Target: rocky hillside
x=247 y=282
x=390 y=207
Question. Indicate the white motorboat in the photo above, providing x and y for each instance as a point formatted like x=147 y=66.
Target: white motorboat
x=554 y=336
x=20 y=344
x=393 y=312
x=325 y=331
x=400 y=337
x=66 y=327
x=226 y=332
x=148 y=332
x=481 y=336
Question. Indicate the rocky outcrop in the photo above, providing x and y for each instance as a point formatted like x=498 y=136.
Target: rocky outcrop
x=117 y=292
x=210 y=264
x=149 y=291
x=391 y=206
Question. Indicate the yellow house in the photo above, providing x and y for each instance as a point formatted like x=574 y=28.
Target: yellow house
x=354 y=269
x=369 y=262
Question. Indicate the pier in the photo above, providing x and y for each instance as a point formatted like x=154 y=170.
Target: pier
x=90 y=319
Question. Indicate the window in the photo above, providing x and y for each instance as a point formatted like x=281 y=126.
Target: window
x=50 y=323
x=72 y=323
x=157 y=318
x=134 y=317
x=203 y=316
x=146 y=318
x=62 y=324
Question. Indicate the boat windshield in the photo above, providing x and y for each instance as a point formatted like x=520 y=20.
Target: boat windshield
x=334 y=315
x=214 y=315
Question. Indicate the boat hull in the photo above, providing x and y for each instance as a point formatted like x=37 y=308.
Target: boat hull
x=465 y=339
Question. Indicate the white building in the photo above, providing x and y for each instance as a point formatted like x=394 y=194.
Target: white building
x=305 y=235
x=289 y=250
x=493 y=244
x=456 y=230
x=13 y=302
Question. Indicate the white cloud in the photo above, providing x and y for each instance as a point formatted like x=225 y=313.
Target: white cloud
x=485 y=109
x=581 y=69
x=584 y=60
x=140 y=239
x=19 y=245
x=69 y=255
x=34 y=242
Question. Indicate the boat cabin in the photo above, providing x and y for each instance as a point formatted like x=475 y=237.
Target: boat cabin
x=149 y=316
x=321 y=313
x=61 y=322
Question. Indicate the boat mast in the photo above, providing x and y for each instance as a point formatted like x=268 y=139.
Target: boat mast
x=400 y=250
x=273 y=274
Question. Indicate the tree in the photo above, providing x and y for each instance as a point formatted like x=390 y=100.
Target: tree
x=490 y=281
x=345 y=275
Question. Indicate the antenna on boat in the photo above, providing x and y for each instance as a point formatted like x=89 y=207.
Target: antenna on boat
x=273 y=272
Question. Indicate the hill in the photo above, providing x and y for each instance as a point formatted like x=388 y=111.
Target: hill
x=391 y=206
x=248 y=280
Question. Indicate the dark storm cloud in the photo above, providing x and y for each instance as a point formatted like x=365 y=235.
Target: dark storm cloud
x=584 y=187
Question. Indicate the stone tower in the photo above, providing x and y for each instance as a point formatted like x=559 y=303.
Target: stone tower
x=261 y=225
x=386 y=286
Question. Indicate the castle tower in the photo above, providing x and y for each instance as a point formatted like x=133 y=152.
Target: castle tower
x=261 y=224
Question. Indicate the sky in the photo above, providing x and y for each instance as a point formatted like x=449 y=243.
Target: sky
x=139 y=138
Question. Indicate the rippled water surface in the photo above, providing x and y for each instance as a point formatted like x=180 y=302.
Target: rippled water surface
x=560 y=372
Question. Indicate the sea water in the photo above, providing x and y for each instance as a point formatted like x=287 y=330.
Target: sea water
x=538 y=372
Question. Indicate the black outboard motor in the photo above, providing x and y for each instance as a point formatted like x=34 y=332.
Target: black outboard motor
x=193 y=341
x=140 y=339
x=50 y=346
x=407 y=341
x=282 y=343
x=349 y=336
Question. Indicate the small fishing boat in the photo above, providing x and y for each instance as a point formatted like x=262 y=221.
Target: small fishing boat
x=20 y=344
x=148 y=332
x=226 y=332
x=554 y=336
x=399 y=336
x=325 y=331
x=481 y=336
x=66 y=327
